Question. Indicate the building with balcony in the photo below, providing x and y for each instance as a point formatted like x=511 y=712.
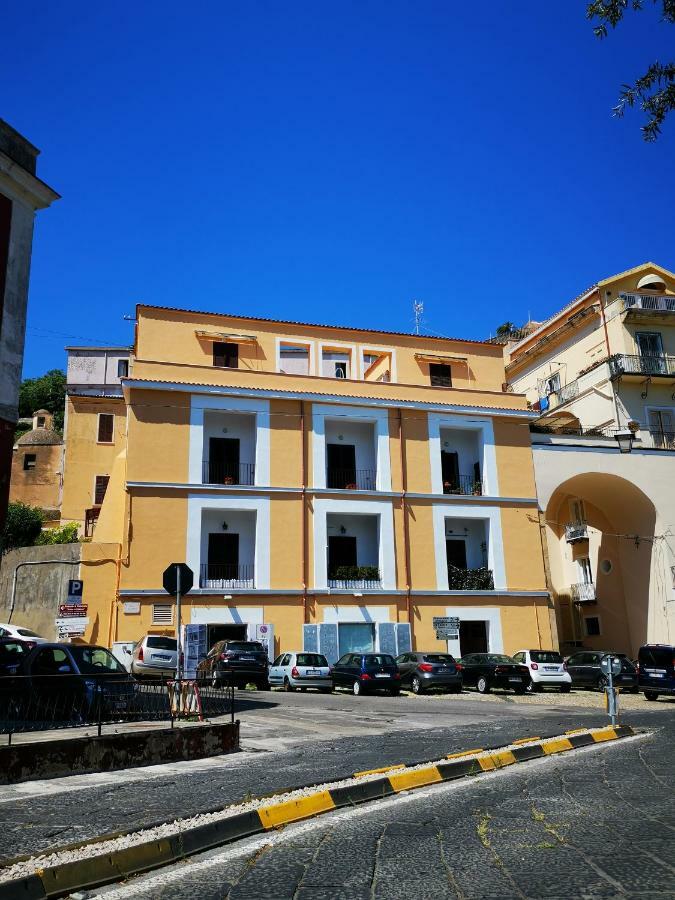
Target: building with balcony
x=330 y=488
x=599 y=370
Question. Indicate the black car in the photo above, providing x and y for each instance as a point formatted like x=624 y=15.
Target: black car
x=656 y=670
x=235 y=662
x=366 y=672
x=73 y=682
x=12 y=654
x=494 y=670
x=585 y=671
x=422 y=671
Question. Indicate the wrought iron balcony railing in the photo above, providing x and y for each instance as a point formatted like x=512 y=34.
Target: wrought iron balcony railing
x=228 y=473
x=470 y=579
x=648 y=302
x=463 y=484
x=576 y=531
x=226 y=575
x=564 y=394
x=662 y=440
x=583 y=593
x=351 y=479
x=626 y=364
x=355 y=578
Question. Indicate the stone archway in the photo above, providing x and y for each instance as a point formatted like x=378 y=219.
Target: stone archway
x=614 y=612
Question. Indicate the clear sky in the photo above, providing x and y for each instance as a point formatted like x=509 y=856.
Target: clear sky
x=330 y=161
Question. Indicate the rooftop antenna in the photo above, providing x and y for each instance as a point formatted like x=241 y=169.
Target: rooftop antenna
x=418 y=309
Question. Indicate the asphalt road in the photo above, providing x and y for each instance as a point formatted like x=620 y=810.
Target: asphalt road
x=592 y=823
x=288 y=740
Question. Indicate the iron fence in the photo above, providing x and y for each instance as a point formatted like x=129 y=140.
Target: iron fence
x=351 y=479
x=228 y=473
x=463 y=484
x=642 y=364
x=226 y=575
x=41 y=703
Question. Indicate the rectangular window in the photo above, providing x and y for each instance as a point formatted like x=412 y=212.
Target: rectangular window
x=106 y=423
x=294 y=359
x=335 y=363
x=340 y=369
x=100 y=487
x=122 y=368
x=592 y=625
x=29 y=461
x=40 y=421
x=440 y=375
x=162 y=613
x=553 y=383
x=225 y=355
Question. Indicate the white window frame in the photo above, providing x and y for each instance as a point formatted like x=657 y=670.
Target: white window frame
x=202 y=403
x=93 y=490
x=378 y=417
x=488 y=462
x=372 y=349
x=490 y=614
x=296 y=342
x=339 y=347
x=495 y=548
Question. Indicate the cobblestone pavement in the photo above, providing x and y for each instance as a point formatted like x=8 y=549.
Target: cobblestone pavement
x=333 y=737
x=595 y=823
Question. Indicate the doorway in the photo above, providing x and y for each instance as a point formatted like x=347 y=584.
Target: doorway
x=341 y=460
x=473 y=637
x=341 y=552
x=450 y=471
x=225 y=633
x=223 y=561
x=224 y=460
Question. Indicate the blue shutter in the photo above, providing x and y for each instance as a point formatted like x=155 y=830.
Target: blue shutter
x=403 y=640
x=386 y=634
x=310 y=638
x=328 y=642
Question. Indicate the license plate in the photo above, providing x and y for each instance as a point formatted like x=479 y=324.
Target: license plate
x=247 y=659
x=382 y=675
x=550 y=668
x=160 y=656
x=312 y=672
x=656 y=675
x=515 y=679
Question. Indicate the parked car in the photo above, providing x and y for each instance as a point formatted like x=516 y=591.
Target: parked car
x=154 y=656
x=656 y=670
x=21 y=634
x=547 y=667
x=301 y=670
x=73 y=682
x=585 y=671
x=12 y=654
x=422 y=671
x=366 y=672
x=238 y=662
x=494 y=670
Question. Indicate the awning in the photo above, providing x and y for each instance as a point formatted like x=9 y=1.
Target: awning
x=226 y=337
x=432 y=357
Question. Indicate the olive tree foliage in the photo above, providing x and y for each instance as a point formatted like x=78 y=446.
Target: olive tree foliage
x=653 y=92
x=22 y=526
x=46 y=392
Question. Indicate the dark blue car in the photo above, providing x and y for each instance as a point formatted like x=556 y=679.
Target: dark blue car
x=656 y=670
x=366 y=672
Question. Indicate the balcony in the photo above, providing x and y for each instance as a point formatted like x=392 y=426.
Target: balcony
x=226 y=576
x=470 y=579
x=662 y=440
x=228 y=473
x=650 y=303
x=463 y=484
x=351 y=479
x=576 y=531
x=355 y=578
x=90 y=519
x=583 y=593
x=563 y=394
x=644 y=366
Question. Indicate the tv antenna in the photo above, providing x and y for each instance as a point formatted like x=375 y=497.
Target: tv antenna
x=418 y=310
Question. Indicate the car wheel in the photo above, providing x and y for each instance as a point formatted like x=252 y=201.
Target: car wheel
x=416 y=684
x=288 y=687
x=532 y=687
x=482 y=685
x=651 y=695
x=565 y=688
x=602 y=683
x=356 y=688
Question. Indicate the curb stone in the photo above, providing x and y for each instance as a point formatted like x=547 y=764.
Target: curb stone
x=59 y=880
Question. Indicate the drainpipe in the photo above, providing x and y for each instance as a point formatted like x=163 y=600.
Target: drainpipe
x=609 y=353
x=34 y=562
x=406 y=540
x=304 y=511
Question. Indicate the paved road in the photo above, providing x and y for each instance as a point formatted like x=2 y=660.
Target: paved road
x=589 y=824
x=289 y=741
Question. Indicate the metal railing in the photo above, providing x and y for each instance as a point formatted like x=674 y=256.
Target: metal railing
x=470 y=579
x=463 y=484
x=228 y=473
x=662 y=440
x=649 y=302
x=583 y=592
x=226 y=575
x=565 y=394
x=45 y=702
x=351 y=479
x=638 y=364
x=576 y=531
x=90 y=519
x=357 y=578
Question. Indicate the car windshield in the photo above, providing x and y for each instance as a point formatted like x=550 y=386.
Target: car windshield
x=95 y=660
x=443 y=658
x=497 y=658
x=246 y=646
x=156 y=642
x=545 y=656
x=379 y=659
x=311 y=659
x=10 y=650
x=26 y=632
x=657 y=657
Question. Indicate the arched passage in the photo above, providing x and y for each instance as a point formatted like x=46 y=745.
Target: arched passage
x=601 y=573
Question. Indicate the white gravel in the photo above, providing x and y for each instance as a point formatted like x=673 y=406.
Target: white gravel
x=170 y=829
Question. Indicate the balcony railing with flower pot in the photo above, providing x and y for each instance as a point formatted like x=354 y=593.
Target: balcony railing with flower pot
x=576 y=531
x=351 y=479
x=642 y=364
x=463 y=484
x=583 y=592
x=470 y=579
x=226 y=576
x=355 y=578
x=228 y=473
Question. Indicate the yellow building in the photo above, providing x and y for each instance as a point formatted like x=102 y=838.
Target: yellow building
x=37 y=465
x=329 y=487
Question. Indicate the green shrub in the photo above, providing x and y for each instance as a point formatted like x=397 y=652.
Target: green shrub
x=66 y=534
x=357 y=573
x=23 y=525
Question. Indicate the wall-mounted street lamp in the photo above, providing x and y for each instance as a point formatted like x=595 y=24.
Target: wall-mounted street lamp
x=624 y=439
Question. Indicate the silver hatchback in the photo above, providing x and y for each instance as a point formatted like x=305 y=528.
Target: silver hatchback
x=154 y=656
x=301 y=670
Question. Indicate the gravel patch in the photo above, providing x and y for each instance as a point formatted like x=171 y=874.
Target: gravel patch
x=584 y=699
x=175 y=827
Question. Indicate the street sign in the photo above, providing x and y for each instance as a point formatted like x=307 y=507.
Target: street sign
x=170 y=578
x=447 y=627
x=74 y=625
x=67 y=609
x=75 y=591
x=611 y=664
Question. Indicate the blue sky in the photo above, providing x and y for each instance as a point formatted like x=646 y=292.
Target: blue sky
x=330 y=161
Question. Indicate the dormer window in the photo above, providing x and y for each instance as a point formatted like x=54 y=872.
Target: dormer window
x=225 y=355
x=440 y=375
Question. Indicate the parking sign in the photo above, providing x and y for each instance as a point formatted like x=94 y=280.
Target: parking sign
x=75 y=591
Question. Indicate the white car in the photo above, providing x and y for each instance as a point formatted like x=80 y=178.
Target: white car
x=19 y=633
x=546 y=668
x=301 y=670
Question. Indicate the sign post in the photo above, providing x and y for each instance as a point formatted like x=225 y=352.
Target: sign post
x=611 y=666
x=178 y=580
x=447 y=627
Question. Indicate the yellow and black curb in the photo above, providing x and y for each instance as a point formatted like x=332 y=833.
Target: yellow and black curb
x=117 y=865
